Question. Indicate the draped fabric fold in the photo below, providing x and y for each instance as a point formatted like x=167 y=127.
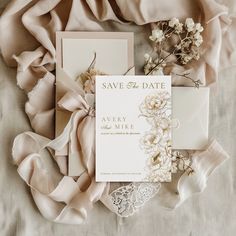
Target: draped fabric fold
x=27 y=41
x=64 y=200
x=204 y=164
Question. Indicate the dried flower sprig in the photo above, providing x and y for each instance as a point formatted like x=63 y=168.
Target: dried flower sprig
x=196 y=83
x=181 y=162
x=174 y=42
x=87 y=79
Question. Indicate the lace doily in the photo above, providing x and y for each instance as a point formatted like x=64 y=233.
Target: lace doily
x=127 y=199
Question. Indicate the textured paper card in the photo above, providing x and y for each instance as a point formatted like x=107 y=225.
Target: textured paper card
x=133 y=128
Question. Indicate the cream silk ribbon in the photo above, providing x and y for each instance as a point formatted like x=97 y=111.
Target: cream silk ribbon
x=68 y=200
x=61 y=199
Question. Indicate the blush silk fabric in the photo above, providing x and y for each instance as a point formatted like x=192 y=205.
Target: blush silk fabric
x=27 y=39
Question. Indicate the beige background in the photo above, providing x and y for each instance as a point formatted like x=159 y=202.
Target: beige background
x=213 y=213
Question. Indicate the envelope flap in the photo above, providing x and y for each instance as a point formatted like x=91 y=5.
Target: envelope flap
x=190 y=109
x=191 y=101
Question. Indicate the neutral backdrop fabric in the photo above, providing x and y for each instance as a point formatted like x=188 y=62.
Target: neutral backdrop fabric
x=212 y=213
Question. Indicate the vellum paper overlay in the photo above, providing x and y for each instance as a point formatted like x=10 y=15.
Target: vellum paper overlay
x=133 y=128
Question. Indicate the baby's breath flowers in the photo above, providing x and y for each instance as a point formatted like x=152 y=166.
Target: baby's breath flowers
x=174 y=42
x=174 y=23
x=181 y=162
x=151 y=65
x=157 y=35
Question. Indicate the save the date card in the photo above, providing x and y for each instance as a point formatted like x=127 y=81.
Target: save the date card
x=133 y=128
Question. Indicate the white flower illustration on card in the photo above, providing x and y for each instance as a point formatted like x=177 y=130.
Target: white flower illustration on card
x=156 y=142
x=155 y=104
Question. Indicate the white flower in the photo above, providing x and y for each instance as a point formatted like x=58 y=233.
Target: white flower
x=163 y=122
x=156 y=142
x=155 y=103
x=153 y=141
x=184 y=164
x=179 y=28
x=157 y=35
x=189 y=23
x=147 y=57
x=185 y=59
x=181 y=165
x=196 y=56
x=151 y=65
x=198 y=27
x=187 y=162
x=174 y=167
x=173 y=22
x=198 y=40
x=196 y=35
x=174 y=155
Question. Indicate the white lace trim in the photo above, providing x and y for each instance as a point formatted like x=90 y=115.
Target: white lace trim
x=126 y=200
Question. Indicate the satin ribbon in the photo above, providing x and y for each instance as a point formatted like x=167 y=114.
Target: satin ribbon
x=67 y=200
x=59 y=198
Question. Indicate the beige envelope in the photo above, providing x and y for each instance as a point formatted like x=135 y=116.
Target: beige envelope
x=190 y=110
x=75 y=52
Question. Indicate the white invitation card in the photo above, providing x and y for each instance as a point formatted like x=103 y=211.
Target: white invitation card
x=133 y=128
